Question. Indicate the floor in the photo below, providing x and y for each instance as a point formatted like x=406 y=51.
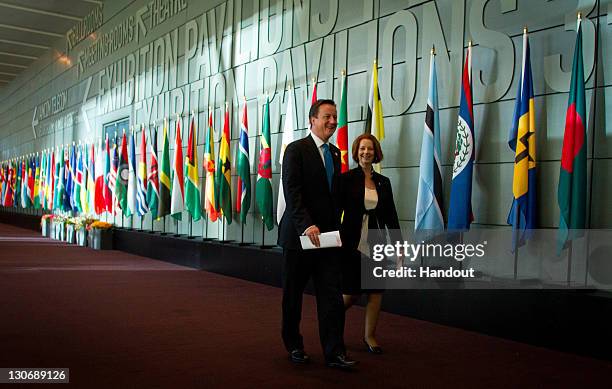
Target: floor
x=118 y=320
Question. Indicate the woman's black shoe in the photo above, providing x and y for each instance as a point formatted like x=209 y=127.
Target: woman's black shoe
x=373 y=349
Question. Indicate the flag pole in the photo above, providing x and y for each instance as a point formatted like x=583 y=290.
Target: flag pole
x=205 y=229
x=151 y=137
x=569 y=262
x=570 y=249
x=515 y=240
x=195 y=135
x=223 y=223
x=592 y=119
x=241 y=233
x=263 y=233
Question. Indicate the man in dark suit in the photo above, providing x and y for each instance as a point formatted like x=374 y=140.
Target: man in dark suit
x=311 y=185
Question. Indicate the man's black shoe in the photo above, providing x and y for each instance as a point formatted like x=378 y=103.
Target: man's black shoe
x=341 y=361
x=299 y=356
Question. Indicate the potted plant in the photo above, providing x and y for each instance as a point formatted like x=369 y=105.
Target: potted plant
x=80 y=226
x=59 y=227
x=100 y=235
x=45 y=224
x=70 y=230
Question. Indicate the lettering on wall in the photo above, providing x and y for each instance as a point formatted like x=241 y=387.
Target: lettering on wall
x=260 y=47
x=84 y=28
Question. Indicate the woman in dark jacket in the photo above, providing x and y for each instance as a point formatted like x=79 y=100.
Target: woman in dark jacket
x=367 y=200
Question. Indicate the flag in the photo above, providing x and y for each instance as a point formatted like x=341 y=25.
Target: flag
x=78 y=180
x=243 y=197
x=42 y=189
x=521 y=140
x=50 y=187
x=31 y=178
x=224 y=173
x=37 y=176
x=571 y=192
x=164 y=176
x=109 y=183
x=288 y=129
x=60 y=181
x=24 y=183
x=5 y=183
x=100 y=179
x=430 y=201
x=153 y=182
x=91 y=180
x=26 y=192
x=192 y=182
x=17 y=195
x=3 y=169
x=83 y=187
x=84 y=193
x=132 y=186
x=17 y=184
x=460 y=210
x=342 y=134
x=177 y=202
x=263 y=188
x=70 y=168
x=141 y=195
x=209 y=167
x=313 y=98
x=87 y=172
x=123 y=175
x=112 y=184
x=7 y=200
x=375 y=123
x=65 y=176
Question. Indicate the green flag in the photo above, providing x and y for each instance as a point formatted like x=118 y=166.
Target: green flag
x=122 y=178
x=153 y=179
x=571 y=192
x=243 y=197
x=192 y=178
x=224 y=177
x=263 y=188
x=164 y=177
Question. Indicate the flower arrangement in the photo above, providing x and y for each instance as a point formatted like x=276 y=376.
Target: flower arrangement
x=70 y=221
x=46 y=218
x=59 y=218
x=99 y=225
x=81 y=222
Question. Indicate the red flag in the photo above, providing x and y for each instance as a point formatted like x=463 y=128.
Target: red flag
x=314 y=92
x=342 y=137
x=108 y=195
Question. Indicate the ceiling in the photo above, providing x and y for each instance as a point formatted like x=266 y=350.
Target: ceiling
x=28 y=28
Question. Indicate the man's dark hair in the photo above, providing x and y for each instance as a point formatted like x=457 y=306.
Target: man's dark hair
x=314 y=109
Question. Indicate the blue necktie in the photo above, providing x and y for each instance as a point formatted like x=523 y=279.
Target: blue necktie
x=329 y=164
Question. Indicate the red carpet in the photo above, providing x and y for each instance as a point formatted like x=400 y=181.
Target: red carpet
x=119 y=320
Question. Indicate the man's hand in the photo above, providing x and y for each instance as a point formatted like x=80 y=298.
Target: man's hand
x=313 y=233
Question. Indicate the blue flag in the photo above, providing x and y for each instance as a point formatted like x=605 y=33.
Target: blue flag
x=521 y=140
x=460 y=214
x=430 y=200
x=69 y=198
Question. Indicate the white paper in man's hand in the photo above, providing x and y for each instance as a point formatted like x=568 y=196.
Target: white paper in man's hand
x=327 y=239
